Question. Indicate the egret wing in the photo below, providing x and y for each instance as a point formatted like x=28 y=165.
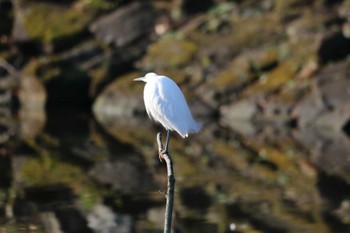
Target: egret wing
x=172 y=106
x=166 y=104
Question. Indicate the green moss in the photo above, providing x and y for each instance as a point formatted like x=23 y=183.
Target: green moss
x=244 y=68
x=236 y=157
x=266 y=58
x=46 y=170
x=132 y=136
x=48 y=22
x=169 y=53
x=99 y=4
x=187 y=170
x=89 y=196
x=289 y=7
x=246 y=33
x=300 y=50
x=277 y=157
x=275 y=79
x=7 y=55
x=251 y=32
x=236 y=74
x=42 y=68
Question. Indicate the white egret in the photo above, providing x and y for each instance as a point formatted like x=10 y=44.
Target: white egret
x=166 y=104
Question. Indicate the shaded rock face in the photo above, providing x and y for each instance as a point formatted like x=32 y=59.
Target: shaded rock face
x=334 y=47
x=196 y=198
x=128 y=31
x=252 y=69
x=72 y=221
x=123 y=176
x=328 y=103
x=69 y=89
x=346 y=128
x=125 y=24
x=321 y=119
x=6 y=18
x=323 y=116
x=193 y=6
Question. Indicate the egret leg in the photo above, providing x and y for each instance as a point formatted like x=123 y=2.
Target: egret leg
x=167 y=141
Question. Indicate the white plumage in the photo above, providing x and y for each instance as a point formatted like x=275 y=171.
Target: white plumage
x=166 y=104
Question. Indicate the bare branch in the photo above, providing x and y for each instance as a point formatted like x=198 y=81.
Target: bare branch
x=171 y=184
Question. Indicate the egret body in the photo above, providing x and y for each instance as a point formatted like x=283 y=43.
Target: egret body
x=166 y=104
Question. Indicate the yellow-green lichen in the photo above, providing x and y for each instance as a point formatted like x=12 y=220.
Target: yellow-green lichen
x=46 y=171
x=246 y=33
x=89 y=196
x=47 y=23
x=244 y=68
x=169 y=53
x=98 y=4
x=274 y=79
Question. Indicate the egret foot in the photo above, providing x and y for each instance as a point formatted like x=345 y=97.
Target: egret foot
x=163 y=193
x=161 y=153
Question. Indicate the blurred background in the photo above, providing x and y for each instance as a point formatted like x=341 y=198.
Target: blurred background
x=269 y=79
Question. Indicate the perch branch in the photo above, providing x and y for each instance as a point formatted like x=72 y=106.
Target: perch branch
x=171 y=184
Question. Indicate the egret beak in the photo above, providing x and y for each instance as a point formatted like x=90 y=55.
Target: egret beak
x=140 y=79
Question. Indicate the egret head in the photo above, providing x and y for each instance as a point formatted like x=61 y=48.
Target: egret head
x=148 y=76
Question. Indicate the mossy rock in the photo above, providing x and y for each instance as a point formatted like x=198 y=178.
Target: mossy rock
x=275 y=79
x=243 y=69
x=54 y=24
x=309 y=23
x=129 y=131
x=234 y=156
x=46 y=170
x=247 y=33
x=291 y=7
x=250 y=32
x=304 y=38
x=237 y=73
x=300 y=50
x=169 y=53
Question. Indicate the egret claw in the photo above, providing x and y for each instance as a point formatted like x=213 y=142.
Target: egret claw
x=163 y=193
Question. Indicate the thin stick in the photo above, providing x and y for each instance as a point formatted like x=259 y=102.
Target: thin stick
x=171 y=185
x=167 y=141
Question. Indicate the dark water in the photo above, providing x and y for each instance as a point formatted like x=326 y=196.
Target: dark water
x=75 y=174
